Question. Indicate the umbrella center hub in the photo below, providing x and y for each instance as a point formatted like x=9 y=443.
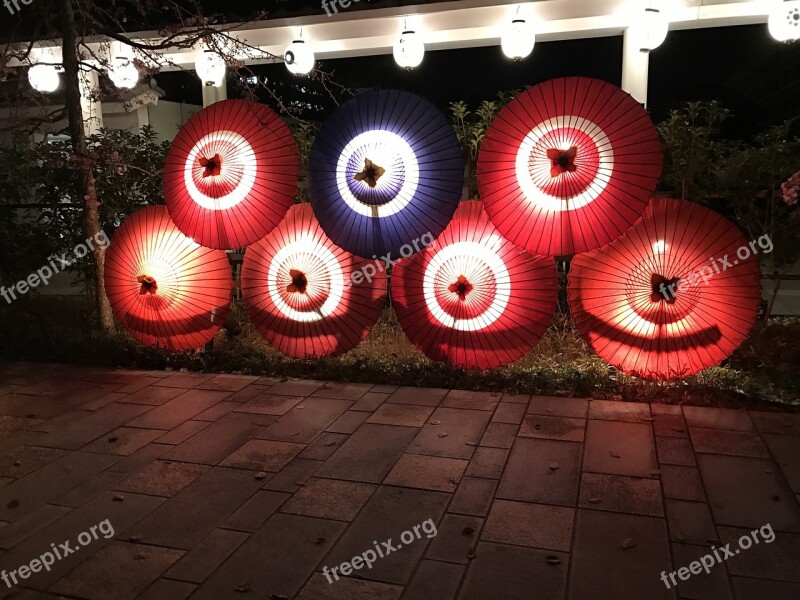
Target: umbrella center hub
x=462 y=287
x=148 y=285
x=663 y=289
x=562 y=161
x=211 y=166
x=299 y=282
x=370 y=174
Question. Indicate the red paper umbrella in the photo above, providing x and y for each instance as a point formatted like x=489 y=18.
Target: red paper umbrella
x=677 y=294
x=165 y=289
x=568 y=166
x=306 y=295
x=472 y=298
x=231 y=174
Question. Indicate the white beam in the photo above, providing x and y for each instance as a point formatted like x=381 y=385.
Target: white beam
x=214 y=93
x=635 y=68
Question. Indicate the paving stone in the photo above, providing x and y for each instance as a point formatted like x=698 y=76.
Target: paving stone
x=227 y=383
x=270 y=404
x=384 y=389
x=253 y=513
x=619 y=411
x=665 y=409
x=717 y=418
x=179 y=410
x=786 y=450
x=620 y=449
x=139 y=383
x=451 y=433
x=388 y=514
x=155 y=396
x=306 y=420
x=456 y=537
x=162 y=478
x=29 y=458
x=471 y=400
x=14 y=533
x=604 y=567
x=690 y=522
x=217 y=441
x=427 y=472
x=369 y=454
x=246 y=394
x=25 y=495
x=182 y=432
x=324 y=446
x=140 y=458
x=772 y=422
x=559 y=407
x=296 y=387
x=276 y=560
x=675 y=451
x=499 y=435
x=293 y=476
x=81 y=494
x=767 y=498
x=347 y=588
x=682 y=483
x=401 y=414
x=92 y=427
x=517 y=572
x=184 y=379
x=421 y=396
x=516 y=398
x=342 y=391
x=670 y=426
x=488 y=463
x=703 y=586
x=370 y=401
x=776 y=560
x=553 y=428
x=188 y=517
x=216 y=412
x=434 y=580
x=473 y=496
x=524 y=524
x=100 y=576
x=329 y=499
x=104 y=400
x=263 y=455
x=123 y=441
x=509 y=412
x=348 y=422
x=196 y=565
x=734 y=443
x=621 y=494
x=167 y=589
x=758 y=589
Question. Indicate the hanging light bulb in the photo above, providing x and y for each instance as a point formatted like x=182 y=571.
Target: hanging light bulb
x=123 y=73
x=210 y=68
x=650 y=28
x=299 y=57
x=784 y=21
x=518 y=39
x=43 y=78
x=409 y=49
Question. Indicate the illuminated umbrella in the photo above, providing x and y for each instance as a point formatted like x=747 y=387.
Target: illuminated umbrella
x=386 y=169
x=677 y=294
x=231 y=174
x=308 y=297
x=568 y=166
x=165 y=289
x=472 y=298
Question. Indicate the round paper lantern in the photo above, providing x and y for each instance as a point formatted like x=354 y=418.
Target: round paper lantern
x=650 y=28
x=518 y=39
x=409 y=50
x=210 y=68
x=123 y=73
x=43 y=78
x=784 y=21
x=299 y=57
x=678 y=293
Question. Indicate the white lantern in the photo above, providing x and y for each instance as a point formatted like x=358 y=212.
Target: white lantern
x=784 y=21
x=518 y=39
x=649 y=29
x=299 y=57
x=43 y=78
x=123 y=73
x=409 y=50
x=210 y=68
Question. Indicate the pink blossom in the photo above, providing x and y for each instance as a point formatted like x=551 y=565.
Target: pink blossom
x=791 y=188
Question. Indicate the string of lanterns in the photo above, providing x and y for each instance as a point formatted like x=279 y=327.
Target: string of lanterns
x=649 y=29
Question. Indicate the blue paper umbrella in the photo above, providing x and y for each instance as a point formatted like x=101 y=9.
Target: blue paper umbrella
x=386 y=174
